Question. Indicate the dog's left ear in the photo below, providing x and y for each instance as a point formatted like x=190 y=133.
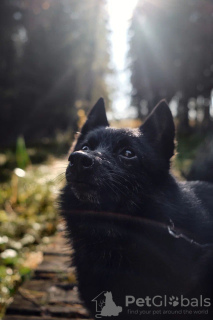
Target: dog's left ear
x=159 y=129
x=96 y=118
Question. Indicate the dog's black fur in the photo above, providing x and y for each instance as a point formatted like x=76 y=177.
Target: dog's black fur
x=135 y=230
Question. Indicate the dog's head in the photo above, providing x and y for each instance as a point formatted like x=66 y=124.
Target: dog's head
x=108 y=165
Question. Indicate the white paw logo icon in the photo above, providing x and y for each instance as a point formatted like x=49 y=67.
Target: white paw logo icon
x=174 y=301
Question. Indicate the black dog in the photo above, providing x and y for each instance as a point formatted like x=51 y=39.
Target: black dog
x=135 y=230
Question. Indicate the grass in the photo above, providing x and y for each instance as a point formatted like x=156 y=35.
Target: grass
x=28 y=217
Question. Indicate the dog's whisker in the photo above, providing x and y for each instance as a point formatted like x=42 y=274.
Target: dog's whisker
x=60 y=177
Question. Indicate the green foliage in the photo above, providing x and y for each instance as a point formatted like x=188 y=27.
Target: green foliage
x=22 y=158
x=186 y=151
x=27 y=218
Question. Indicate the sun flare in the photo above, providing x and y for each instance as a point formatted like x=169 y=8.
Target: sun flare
x=120 y=13
x=121 y=9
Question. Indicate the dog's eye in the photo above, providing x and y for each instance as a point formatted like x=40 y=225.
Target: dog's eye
x=127 y=153
x=85 y=148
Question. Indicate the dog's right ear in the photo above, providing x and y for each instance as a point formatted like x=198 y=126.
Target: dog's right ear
x=96 y=118
x=160 y=130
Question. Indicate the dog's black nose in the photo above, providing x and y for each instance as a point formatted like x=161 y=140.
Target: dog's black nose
x=80 y=160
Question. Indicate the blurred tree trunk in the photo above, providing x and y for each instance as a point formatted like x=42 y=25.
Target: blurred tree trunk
x=207 y=123
x=183 y=117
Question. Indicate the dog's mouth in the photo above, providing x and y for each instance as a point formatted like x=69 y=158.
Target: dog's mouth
x=83 y=187
x=85 y=191
x=80 y=182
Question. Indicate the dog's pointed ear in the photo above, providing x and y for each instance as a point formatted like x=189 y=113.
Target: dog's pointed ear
x=159 y=129
x=96 y=117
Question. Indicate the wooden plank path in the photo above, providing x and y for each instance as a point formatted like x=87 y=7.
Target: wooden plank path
x=52 y=292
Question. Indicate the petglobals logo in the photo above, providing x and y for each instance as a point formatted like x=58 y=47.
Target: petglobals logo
x=105 y=305
x=164 y=301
